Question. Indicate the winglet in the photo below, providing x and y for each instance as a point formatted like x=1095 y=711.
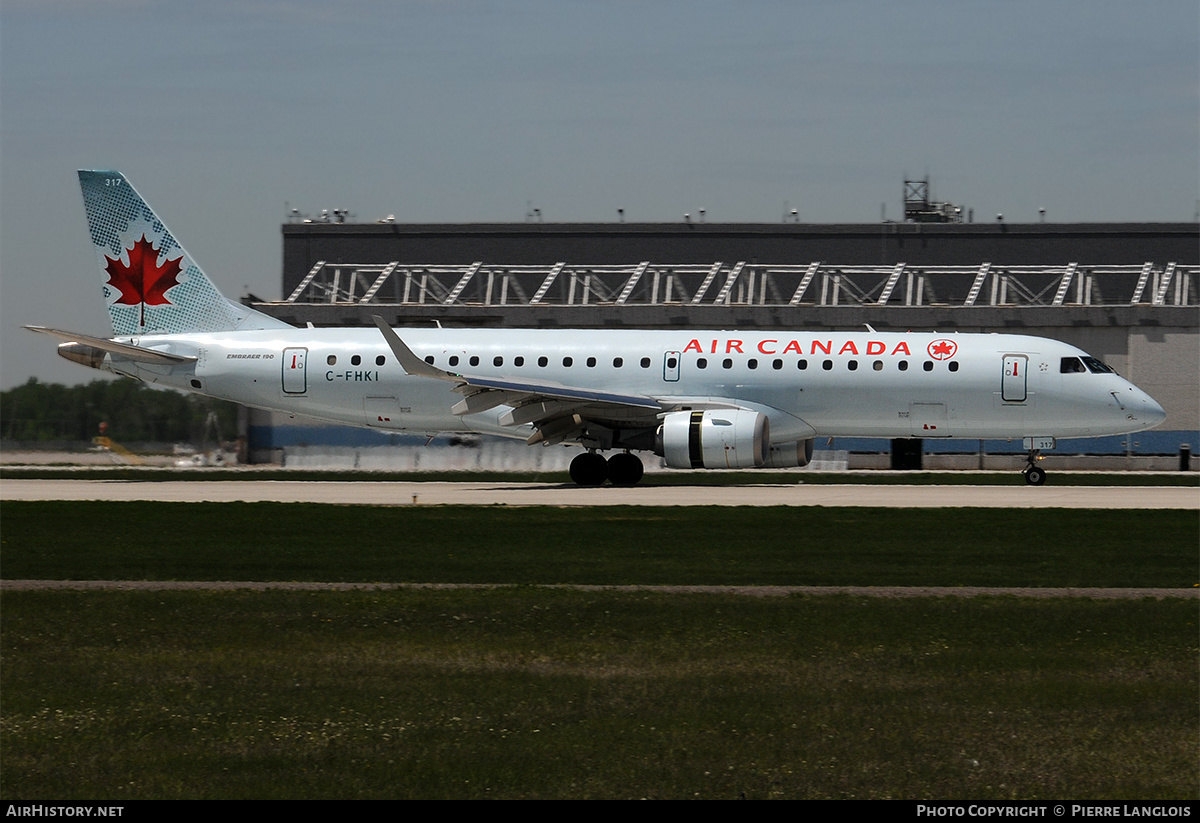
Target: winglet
x=408 y=360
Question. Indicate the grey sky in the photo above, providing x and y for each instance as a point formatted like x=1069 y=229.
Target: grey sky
x=220 y=112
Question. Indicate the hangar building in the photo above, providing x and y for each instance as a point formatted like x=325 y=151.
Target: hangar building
x=1126 y=293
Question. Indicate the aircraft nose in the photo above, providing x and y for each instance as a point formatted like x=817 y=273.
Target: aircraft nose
x=1144 y=409
x=1152 y=412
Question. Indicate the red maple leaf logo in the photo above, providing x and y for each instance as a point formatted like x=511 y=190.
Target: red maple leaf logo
x=942 y=349
x=143 y=282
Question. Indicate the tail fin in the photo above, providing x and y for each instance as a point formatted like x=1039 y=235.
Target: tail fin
x=151 y=285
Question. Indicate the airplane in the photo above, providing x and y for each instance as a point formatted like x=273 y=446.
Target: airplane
x=699 y=399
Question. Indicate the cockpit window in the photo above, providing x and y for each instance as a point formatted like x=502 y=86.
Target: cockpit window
x=1097 y=367
x=1071 y=365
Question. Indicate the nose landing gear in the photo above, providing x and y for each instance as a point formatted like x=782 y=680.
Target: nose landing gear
x=1034 y=475
x=591 y=469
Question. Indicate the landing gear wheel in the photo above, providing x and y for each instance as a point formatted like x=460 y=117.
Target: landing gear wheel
x=624 y=469
x=1033 y=475
x=589 y=469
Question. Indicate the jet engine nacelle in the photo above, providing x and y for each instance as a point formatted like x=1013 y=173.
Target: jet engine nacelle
x=790 y=455
x=714 y=439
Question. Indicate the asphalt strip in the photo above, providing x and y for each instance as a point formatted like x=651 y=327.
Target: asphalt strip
x=749 y=591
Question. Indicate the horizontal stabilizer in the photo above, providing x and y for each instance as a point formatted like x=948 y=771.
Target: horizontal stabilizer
x=125 y=350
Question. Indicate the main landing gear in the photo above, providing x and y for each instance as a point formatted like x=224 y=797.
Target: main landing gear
x=591 y=469
x=1034 y=475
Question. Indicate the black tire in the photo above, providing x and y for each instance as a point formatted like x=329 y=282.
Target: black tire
x=625 y=469
x=1035 y=476
x=589 y=469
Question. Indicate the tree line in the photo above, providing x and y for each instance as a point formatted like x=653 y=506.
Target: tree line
x=37 y=411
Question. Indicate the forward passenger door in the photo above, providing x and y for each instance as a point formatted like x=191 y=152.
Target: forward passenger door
x=1013 y=385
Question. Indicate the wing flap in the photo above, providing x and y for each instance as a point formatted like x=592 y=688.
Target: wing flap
x=537 y=388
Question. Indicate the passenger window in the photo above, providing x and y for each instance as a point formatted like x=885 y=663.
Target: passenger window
x=877 y=365
x=702 y=362
x=474 y=360
x=618 y=362
x=752 y=363
x=380 y=360
x=672 y=362
x=953 y=365
x=429 y=359
x=727 y=363
x=777 y=364
x=928 y=366
x=454 y=360
x=497 y=361
x=852 y=365
x=355 y=360
x=827 y=365
x=1072 y=365
x=645 y=362
x=902 y=365
x=591 y=362
x=331 y=359
x=567 y=361
x=518 y=361
x=542 y=362
x=802 y=364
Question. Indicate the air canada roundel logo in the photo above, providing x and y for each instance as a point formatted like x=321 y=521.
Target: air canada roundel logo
x=942 y=349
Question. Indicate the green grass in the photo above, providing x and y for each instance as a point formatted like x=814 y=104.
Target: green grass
x=601 y=545
x=530 y=692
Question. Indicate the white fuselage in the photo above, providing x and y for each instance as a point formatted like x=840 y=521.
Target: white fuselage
x=808 y=384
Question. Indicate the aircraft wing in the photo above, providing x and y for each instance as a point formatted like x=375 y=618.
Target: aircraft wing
x=558 y=392
x=126 y=350
x=556 y=410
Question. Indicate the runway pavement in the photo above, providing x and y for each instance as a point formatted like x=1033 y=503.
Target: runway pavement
x=541 y=494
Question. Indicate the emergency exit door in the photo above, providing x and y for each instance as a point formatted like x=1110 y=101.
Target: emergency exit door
x=671 y=366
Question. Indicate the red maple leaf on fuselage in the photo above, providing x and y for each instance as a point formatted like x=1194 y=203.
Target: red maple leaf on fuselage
x=942 y=348
x=143 y=282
